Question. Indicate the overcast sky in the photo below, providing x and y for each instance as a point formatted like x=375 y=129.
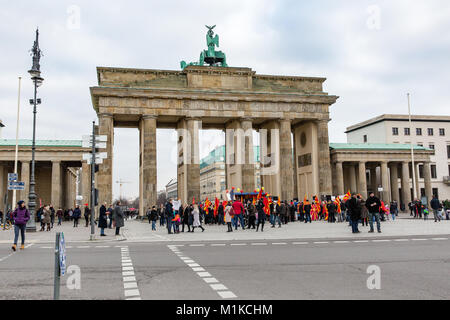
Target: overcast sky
x=372 y=52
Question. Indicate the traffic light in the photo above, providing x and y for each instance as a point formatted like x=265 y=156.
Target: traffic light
x=96 y=168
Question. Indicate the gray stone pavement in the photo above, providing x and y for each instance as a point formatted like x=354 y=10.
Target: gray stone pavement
x=140 y=231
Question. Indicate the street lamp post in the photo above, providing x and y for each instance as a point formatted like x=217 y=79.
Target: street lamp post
x=35 y=73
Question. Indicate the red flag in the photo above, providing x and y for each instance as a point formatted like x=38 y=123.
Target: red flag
x=216 y=207
x=193 y=200
x=260 y=193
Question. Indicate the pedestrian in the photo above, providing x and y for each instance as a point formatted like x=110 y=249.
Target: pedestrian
x=46 y=220
x=373 y=204
x=169 y=215
x=220 y=214
x=110 y=215
x=103 y=219
x=52 y=215
x=261 y=215
x=76 y=215
x=59 y=214
x=162 y=219
x=153 y=217
x=87 y=213
x=436 y=206
x=229 y=213
x=118 y=217
x=331 y=208
x=238 y=209
x=393 y=208
x=364 y=214
x=185 y=213
x=354 y=207
x=251 y=215
x=307 y=211
x=196 y=216
x=20 y=217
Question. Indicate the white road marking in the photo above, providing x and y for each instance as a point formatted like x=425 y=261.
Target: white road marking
x=420 y=239
x=204 y=274
x=226 y=294
x=300 y=243
x=217 y=287
x=130 y=285
x=197 y=245
x=279 y=243
x=238 y=244
x=321 y=242
x=341 y=241
x=218 y=245
x=102 y=246
x=361 y=241
x=439 y=239
x=259 y=244
x=401 y=240
x=221 y=290
x=382 y=240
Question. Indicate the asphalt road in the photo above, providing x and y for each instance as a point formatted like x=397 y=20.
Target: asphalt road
x=411 y=268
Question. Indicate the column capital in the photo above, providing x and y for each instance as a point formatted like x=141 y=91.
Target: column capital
x=105 y=115
x=193 y=118
x=251 y=119
x=56 y=161
x=149 y=116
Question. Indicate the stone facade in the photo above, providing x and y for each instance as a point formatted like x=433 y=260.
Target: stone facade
x=219 y=98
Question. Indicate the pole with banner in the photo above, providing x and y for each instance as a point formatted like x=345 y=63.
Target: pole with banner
x=60 y=263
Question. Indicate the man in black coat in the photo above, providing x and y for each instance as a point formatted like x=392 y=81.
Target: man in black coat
x=103 y=220
x=373 y=204
x=169 y=215
x=354 y=207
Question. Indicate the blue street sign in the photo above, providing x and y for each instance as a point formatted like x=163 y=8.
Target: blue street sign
x=12 y=176
x=62 y=254
x=16 y=185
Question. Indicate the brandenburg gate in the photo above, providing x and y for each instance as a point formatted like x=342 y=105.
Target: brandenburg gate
x=236 y=100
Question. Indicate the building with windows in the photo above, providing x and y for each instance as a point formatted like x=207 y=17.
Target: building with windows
x=213 y=173
x=430 y=132
x=172 y=189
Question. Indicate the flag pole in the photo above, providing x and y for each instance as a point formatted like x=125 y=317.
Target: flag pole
x=17 y=144
x=412 y=151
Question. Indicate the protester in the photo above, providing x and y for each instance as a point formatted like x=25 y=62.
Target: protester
x=45 y=218
x=436 y=206
x=238 y=214
x=354 y=207
x=118 y=217
x=229 y=213
x=196 y=215
x=261 y=215
x=373 y=204
x=103 y=219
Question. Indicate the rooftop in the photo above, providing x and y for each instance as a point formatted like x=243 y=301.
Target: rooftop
x=375 y=146
x=41 y=143
x=397 y=117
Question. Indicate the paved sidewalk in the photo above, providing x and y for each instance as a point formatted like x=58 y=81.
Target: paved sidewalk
x=137 y=231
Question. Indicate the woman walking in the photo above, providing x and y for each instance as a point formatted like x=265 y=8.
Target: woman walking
x=196 y=215
x=76 y=215
x=20 y=217
x=153 y=217
x=364 y=214
x=261 y=215
x=229 y=213
x=46 y=218
x=103 y=220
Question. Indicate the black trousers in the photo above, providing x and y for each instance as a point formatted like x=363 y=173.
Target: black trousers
x=260 y=222
x=251 y=222
x=117 y=231
x=189 y=227
x=230 y=228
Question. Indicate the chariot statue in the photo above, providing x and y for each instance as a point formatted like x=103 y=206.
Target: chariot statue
x=210 y=56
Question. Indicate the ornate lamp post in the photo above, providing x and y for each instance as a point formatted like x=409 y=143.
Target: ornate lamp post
x=35 y=73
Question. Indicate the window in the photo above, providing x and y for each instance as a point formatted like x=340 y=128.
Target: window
x=407 y=132
x=448 y=151
x=421 y=171
x=430 y=131
x=442 y=132
x=436 y=192
x=431 y=146
x=422 y=192
x=365 y=138
x=395 y=131
x=419 y=131
x=433 y=172
x=420 y=144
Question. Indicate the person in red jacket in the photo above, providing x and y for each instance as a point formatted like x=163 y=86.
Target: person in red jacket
x=238 y=214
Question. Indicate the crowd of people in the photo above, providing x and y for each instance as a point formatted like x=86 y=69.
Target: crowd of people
x=236 y=213
x=251 y=214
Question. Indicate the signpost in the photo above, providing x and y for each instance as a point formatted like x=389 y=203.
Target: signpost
x=93 y=158
x=60 y=263
x=13 y=184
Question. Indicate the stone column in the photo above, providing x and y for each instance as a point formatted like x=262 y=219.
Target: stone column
x=286 y=170
x=248 y=167
x=362 y=188
x=394 y=182
x=104 y=175
x=340 y=178
x=295 y=167
x=427 y=180
x=352 y=171
x=373 y=180
x=56 y=184
x=148 y=170
x=416 y=175
x=86 y=184
x=193 y=167
x=3 y=188
x=25 y=177
x=406 y=191
x=385 y=182
x=325 y=185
